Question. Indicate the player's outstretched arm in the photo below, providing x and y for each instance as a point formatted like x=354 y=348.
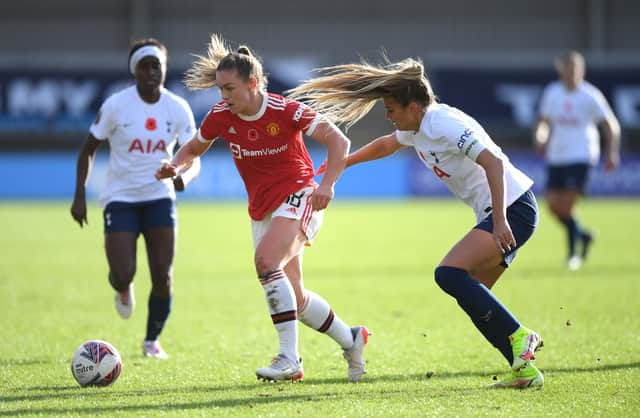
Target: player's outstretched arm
x=378 y=148
x=184 y=158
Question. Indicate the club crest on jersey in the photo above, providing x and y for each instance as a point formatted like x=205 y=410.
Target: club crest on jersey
x=273 y=129
x=151 y=124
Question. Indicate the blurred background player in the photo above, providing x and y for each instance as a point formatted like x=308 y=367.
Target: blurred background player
x=459 y=151
x=264 y=134
x=143 y=123
x=567 y=134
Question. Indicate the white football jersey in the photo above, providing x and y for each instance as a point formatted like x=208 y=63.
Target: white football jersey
x=573 y=117
x=141 y=135
x=448 y=143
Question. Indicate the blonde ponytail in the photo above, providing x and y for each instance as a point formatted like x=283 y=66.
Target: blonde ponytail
x=202 y=74
x=346 y=93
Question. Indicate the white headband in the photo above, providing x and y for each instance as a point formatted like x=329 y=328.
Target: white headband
x=147 y=51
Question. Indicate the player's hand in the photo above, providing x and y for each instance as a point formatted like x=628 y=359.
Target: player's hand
x=166 y=170
x=178 y=184
x=79 y=211
x=321 y=197
x=612 y=162
x=539 y=148
x=503 y=236
x=322 y=168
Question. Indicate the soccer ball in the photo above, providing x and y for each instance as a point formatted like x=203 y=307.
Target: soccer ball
x=96 y=363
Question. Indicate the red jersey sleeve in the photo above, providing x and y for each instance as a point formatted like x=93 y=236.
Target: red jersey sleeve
x=211 y=126
x=302 y=116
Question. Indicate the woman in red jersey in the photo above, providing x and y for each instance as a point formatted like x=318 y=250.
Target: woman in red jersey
x=264 y=133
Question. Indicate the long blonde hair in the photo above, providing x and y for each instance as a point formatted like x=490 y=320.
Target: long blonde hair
x=346 y=93
x=202 y=74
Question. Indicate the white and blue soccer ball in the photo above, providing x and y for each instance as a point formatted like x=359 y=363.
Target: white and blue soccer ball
x=96 y=363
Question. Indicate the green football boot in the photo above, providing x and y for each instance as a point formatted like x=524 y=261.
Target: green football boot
x=527 y=377
x=524 y=343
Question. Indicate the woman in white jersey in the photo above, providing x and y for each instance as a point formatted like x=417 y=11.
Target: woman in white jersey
x=567 y=134
x=264 y=134
x=456 y=149
x=143 y=123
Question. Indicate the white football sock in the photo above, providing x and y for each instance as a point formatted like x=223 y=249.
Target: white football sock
x=316 y=313
x=281 y=301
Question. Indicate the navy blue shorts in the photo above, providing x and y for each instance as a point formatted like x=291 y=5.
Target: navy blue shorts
x=138 y=217
x=522 y=216
x=567 y=177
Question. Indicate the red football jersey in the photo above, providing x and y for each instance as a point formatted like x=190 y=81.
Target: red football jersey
x=267 y=148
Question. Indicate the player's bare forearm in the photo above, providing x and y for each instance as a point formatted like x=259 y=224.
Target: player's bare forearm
x=183 y=159
x=83 y=169
x=84 y=163
x=611 y=131
x=494 y=168
x=337 y=152
x=338 y=146
x=378 y=148
x=541 y=134
x=188 y=153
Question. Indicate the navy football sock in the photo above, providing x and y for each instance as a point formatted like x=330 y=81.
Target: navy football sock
x=573 y=233
x=491 y=318
x=158 y=313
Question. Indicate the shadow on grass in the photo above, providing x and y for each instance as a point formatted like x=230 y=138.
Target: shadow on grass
x=147 y=408
x=454 y=375
x=281 y=395
x=24 y=362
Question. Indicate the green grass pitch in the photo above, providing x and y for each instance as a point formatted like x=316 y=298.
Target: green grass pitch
x=373 y=261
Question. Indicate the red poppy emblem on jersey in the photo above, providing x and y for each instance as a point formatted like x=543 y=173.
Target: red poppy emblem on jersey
x=273 y=129
x=151 y=124
x=252 y=135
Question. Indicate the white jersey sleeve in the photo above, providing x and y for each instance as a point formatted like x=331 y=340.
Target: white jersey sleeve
x=186 y=122
x=461 y=133
x=545 y=102
x=600 y=109
x=105 y=122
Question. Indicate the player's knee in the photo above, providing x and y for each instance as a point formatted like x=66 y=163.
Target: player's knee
x=123 y=274
x=440 y=275
x=264 y=264
x=447 y=277
x=120 y=278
